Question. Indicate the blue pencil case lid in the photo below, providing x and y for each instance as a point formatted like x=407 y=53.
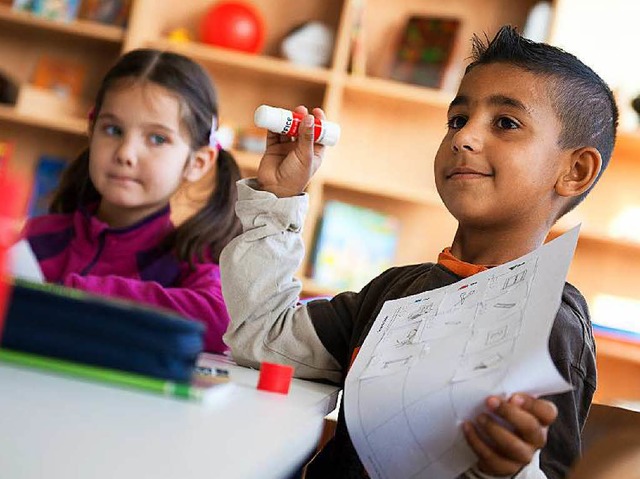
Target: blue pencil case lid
x=66 y=323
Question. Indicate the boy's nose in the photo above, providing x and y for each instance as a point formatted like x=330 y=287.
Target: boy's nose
x=466 y=139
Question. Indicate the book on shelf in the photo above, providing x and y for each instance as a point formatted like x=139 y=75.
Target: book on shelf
x=352 y=246
x=110 y=12
x=358 y=54
x=62 y=76
x=424 y=50
x=616 y=316
x=46 y=178
x=57 y=10
x=206 y=383
x=6 y=152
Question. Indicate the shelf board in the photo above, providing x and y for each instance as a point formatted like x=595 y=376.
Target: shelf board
x=627 y=145
x=400 y=91
x=422 y=196
x=79 y=28
x=208 y=54
x=599 y=239
x=621 y=349
x=75 y=126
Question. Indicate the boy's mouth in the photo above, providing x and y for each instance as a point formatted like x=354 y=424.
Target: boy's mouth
x=464 y=172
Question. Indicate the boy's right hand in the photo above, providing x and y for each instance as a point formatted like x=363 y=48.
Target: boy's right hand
x=287 y=166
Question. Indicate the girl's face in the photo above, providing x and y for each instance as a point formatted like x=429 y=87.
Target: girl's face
x=139 y=152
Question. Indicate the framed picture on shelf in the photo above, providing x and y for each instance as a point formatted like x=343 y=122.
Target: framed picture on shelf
x=353 y=245
x=424 y=51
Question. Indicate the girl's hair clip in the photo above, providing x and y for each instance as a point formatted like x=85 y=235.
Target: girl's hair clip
x=213 y=141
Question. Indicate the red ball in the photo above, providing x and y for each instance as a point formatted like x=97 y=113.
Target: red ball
x=234 y=25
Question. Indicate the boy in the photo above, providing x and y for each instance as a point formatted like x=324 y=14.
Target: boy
x=529 y=133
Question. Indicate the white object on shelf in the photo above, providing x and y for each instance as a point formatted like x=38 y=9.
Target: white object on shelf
x=537 y=25
x=309 y=45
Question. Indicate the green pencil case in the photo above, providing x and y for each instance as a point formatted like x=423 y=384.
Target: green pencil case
x=65 y=323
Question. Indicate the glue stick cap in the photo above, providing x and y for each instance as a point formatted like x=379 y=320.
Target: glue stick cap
x=275 y=377
x=271 y=118
x=330 y=133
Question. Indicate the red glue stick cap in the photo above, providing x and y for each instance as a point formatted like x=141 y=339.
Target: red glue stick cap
x=275 y=377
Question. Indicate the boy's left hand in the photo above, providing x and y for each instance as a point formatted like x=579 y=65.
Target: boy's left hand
x=502 y=451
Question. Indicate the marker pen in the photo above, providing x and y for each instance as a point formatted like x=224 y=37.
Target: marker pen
x=286 y=122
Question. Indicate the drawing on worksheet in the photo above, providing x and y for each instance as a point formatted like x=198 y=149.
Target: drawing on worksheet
x=431 y=359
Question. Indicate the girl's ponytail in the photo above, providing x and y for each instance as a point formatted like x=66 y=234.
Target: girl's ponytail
x=203 y=236
x=75 y=188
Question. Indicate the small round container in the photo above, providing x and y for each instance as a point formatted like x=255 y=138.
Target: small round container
x=275 y=377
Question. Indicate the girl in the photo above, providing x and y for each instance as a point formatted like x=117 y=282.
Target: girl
x=109 y=232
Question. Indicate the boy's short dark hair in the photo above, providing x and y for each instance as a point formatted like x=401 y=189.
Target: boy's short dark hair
x=583 y=102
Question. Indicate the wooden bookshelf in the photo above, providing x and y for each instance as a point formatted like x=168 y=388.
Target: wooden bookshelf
x=390 y=130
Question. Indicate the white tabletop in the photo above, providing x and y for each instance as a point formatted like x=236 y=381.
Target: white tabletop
x=59 y=427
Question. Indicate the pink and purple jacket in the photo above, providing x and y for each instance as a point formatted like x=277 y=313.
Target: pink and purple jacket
x=80 y=251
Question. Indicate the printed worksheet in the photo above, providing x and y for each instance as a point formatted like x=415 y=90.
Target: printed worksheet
x=431 y=359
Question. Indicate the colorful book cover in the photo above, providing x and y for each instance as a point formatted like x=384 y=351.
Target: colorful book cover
x=353 y=245
x=46 y=179
x=57 y=10
x=424 y=50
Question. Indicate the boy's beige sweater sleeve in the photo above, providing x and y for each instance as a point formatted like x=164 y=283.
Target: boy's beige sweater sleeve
x=267 y=321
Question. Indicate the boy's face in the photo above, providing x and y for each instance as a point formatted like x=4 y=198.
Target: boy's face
x=499 y=161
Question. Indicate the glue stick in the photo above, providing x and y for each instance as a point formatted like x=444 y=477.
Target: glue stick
x=285 y=122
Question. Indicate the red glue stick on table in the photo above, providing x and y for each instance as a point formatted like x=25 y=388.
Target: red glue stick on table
x=275 y=377
x=285 y=122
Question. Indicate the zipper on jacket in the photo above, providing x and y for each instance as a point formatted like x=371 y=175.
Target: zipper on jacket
x=101 y=241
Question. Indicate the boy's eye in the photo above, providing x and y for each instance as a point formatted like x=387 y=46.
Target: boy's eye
x=456 y=122
x=158 y=139
x=507 y=123
x=112 y=130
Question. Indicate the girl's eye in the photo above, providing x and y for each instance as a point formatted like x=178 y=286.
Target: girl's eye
x=456 y=122
x=158 y=139
x=507 y=123
x=112 y=130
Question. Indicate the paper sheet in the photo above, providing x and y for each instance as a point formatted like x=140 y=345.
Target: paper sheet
x=23 y=263
x=431 y=359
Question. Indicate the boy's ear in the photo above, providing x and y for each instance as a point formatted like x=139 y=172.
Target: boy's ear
x=200 y=163
x=580 y=172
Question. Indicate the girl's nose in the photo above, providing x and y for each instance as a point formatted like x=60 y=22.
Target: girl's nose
x=126 y=153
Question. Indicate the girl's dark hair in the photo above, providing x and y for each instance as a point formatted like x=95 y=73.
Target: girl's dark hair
x=582 y=101
x=202 y=236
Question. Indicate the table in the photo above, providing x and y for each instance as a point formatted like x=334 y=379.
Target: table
x=60 y=427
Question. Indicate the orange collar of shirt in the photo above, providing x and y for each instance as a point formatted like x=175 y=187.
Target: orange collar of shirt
x=458 y=267
x=454 y=265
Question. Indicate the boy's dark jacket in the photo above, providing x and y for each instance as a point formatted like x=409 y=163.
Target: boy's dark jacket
x=571 y=346
x=319 y=337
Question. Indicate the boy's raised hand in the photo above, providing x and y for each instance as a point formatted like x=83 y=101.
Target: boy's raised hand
x=287 y=166
x=504 y=451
